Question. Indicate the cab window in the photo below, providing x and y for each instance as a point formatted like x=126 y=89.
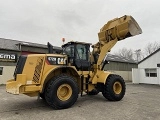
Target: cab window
x=81 y=52
x=69 y=50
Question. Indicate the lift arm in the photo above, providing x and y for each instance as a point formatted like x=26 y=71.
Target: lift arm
x=115 y=30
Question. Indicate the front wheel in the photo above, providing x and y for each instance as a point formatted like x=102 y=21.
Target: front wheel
x=61 y=92
x=114 y=88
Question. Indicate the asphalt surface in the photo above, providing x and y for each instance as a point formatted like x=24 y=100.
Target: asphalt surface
x=141 y=102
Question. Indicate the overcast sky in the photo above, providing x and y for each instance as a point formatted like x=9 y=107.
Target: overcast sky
x=42 y=21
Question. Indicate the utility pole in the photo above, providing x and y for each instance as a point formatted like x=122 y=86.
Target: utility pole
x=138 y=54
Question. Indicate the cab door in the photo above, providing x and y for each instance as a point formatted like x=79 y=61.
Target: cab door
x=82 y=61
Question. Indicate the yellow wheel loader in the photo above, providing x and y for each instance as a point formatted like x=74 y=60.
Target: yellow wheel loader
x=60 y=78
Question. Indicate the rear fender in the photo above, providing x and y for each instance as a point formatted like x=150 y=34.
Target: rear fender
x=55 y=72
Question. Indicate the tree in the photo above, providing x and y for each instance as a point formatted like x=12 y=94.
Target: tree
x=130 y=54
x=151 y=47
x=138 y=54
x=124 y=52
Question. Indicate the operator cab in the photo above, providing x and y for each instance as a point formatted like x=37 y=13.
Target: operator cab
x=78 y=54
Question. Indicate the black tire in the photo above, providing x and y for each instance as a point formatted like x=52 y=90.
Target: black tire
x=61 y=92
x=93 y=92
x=114 y=88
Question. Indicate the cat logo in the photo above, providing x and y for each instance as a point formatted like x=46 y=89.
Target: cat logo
x=56 y=60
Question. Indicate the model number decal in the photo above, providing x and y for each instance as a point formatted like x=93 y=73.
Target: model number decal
x=56 y=60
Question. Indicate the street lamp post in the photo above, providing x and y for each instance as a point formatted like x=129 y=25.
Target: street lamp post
x=138 y=54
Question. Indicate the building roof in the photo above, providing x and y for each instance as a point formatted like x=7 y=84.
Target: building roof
x=116 y=58
x=150 y=55
x=9 y=44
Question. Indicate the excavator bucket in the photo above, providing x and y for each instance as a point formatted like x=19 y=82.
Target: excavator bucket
x=119 y=28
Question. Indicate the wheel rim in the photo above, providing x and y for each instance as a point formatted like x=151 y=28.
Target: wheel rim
x=117 y=87
x=64 y=92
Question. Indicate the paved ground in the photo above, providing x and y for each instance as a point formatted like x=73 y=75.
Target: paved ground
x=141 y=102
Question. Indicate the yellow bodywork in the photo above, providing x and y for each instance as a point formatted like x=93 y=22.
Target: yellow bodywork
x=112 y=32
x=37 y=72
x=20 y=86
x=30 y=82
x=100 y=77
x=13 y=86
x=24 y=85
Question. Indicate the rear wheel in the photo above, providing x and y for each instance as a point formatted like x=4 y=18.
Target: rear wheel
x=114 y=88
x=61 y=92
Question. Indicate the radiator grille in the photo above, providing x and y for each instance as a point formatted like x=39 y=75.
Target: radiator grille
x=38 y=69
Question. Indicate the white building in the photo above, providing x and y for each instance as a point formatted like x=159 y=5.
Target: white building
x=148 y=70
x=121 y=66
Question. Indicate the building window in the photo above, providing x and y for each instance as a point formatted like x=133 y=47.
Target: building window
x=158 y=65
x=1 y=70
x=151 y=72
